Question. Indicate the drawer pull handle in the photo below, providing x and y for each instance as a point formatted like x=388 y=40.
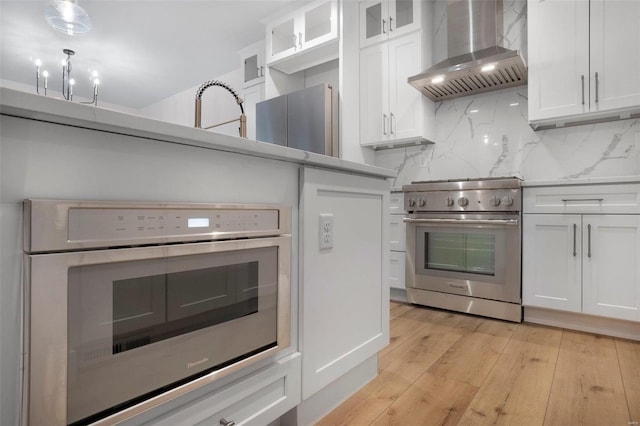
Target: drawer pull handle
x=574 y=239
x=566 y=200
x=225 y=422
x=589 y=240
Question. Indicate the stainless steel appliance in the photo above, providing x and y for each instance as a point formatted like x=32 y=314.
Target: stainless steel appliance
x=306 y=119
x=477 y=61
x=128 y=305
x=464 y=245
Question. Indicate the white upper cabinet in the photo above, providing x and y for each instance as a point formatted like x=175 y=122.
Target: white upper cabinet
x=252 y=64
x=584 y=60
x=304 y=38
x=390 y=109
x=381 y=20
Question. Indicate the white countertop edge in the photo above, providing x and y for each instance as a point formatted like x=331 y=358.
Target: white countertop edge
x=582 y=181
x=50 y=109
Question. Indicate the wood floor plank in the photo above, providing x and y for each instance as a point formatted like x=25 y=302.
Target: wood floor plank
x=419 y=352
x=432 y=400
x=398 y=372
x=517 y=388
x=587 y=386
x=629 y=359
x=400 y=329
x=398 y=309
x=472 y=357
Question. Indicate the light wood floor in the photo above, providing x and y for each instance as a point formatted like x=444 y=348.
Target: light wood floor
x=443 y=368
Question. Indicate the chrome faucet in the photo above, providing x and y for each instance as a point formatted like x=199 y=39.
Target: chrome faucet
x=242 y=119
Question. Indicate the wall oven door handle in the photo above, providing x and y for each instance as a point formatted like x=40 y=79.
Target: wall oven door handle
x=512 y=222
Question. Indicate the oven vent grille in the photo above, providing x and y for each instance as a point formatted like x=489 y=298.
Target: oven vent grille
x=92 y=355
x=131 y=344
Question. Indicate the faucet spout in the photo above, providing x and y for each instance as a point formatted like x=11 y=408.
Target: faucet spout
x=243 y=119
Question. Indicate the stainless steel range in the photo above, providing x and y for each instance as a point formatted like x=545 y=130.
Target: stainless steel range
x=464 y=245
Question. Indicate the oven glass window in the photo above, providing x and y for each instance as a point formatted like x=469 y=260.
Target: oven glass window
x=460 y=252
x=181 y=302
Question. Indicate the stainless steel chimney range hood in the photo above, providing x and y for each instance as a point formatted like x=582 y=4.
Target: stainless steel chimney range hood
x=477 y=63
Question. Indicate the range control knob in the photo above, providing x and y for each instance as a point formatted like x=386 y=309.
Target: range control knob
x=449 y=201
x=421 y=202
x=507 y=201
x=494 y=201
x=463 y=201
x=412 y=202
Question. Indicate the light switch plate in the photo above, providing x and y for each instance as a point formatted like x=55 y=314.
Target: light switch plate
x=326 y=231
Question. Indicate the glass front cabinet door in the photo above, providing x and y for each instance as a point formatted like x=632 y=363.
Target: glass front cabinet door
x=381 y=20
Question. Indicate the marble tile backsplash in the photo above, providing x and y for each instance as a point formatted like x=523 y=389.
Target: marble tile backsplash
x=489 y=134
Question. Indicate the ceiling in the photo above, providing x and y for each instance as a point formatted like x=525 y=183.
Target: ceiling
x=143 y=50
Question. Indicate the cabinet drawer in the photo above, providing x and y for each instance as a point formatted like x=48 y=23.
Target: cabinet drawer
x=259 y=398
x=603 y=198
x=397 y=203
x=397 y=233
x=396 y=271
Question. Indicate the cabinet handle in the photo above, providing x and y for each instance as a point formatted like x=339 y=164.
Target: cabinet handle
x=225 y=422
x=390 y=24
x=391 y=123
x=261 y=71
x=589 y=240
x=574 y=239
x=300 y=40
x=597 y=87
x=582 y=76
x=384 y=124
x=565 y=200
x=384 y=26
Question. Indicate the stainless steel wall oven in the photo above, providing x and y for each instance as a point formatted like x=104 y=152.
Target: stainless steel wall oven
x=129 y=305
x=464 y=246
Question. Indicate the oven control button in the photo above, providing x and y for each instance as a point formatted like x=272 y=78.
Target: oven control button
x=421 y=202
x=494 y=201
x=449 y=201
x=507 y=201
x=412 y=202
x=463 y=201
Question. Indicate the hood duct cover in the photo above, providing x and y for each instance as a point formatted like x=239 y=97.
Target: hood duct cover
x=477 y=63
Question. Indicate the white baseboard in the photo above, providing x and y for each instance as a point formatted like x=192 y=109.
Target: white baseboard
x=583 y=322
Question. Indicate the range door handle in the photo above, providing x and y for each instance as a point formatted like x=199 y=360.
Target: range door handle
x=509 y=222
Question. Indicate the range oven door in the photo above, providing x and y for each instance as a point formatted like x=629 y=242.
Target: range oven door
x=110 y=329
x=471 y=255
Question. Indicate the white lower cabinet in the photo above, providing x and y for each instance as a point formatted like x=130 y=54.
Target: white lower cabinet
x=552 y=261
x=257 y=399
x=344 y=301
x=397 y=242
x=611 y=266
x=588 y=263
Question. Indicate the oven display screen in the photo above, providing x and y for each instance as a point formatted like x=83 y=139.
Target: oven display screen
x=198 y=222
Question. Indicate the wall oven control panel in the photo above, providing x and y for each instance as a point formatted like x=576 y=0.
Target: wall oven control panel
x=68 y=225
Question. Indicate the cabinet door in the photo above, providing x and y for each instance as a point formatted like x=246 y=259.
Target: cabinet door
x=319 y=24
x=405 y=103
x=397 y=270
x=251 y=96
x=404 y=16
x=374 y=22
x=374 y=94
x=551 y=265
x=611 y=257
x=615 y=54
x=397 y=241
x=282 y=38
x=252 y=64
x=558 y=33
